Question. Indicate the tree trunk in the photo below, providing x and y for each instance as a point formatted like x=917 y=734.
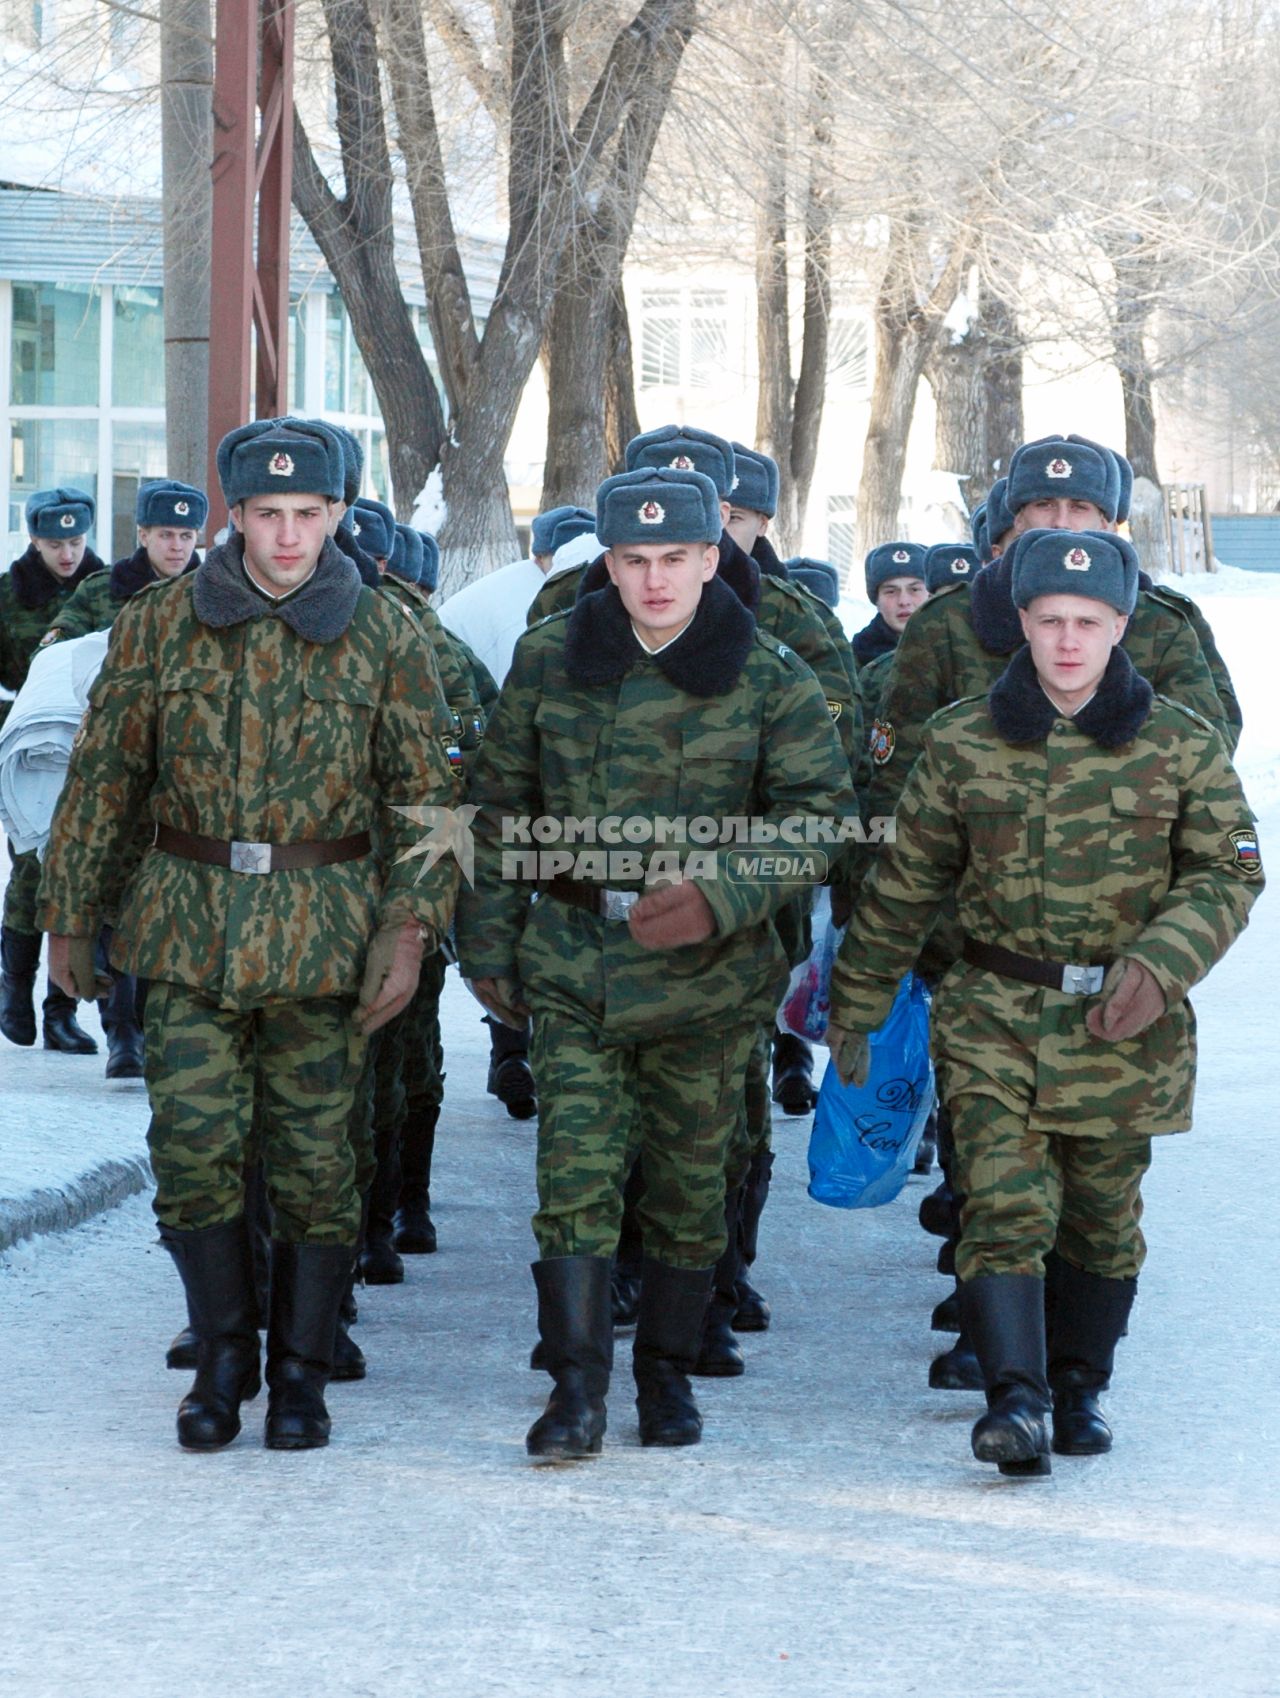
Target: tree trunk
x=577 y=356
x=621 y=415
x=1002 y=378
x=956 y=370
x=775 y=388
x=810 y=395
x=1135 y=285
x=186 y=140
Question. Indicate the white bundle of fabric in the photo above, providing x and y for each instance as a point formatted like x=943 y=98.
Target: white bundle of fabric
x=36 y=738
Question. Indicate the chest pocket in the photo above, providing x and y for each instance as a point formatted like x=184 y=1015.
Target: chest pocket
x=1003 y=832
x=1142 y=823
x=567 y=744
x=194 y=705
x=336 y=722
x=717 y=771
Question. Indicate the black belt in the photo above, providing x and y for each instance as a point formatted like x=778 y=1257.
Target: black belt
x=1062 y=976
x=260 y=857
x=595 y=898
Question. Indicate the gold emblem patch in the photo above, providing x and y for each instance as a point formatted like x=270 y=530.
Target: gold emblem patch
x=882 y=742
x=835 y=709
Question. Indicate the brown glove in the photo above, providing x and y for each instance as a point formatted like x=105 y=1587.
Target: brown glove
x=72 y=969
x=672 y=917
x=850 y=1054
x=390 y=974
x=504 y=999
x=1131 y=1000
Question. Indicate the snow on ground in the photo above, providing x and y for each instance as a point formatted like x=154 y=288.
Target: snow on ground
x=830 y=1536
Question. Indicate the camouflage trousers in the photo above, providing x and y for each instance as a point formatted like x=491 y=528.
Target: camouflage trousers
x=753 y=1133
x=1027 y=1193
x=21 y=891
x=207 y=1067
x=403 y=1069
x=674 y=1100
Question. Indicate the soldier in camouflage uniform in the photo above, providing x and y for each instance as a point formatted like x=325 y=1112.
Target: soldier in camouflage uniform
x=169 y=516
x=656 y=699
x=33 y=593
x=1103 y=858
x=273 y=715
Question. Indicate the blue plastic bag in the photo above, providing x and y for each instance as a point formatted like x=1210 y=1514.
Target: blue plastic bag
x=807 y=1004
x=864 y=1137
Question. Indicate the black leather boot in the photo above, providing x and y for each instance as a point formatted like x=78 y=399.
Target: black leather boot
x=720 y=1355
x=937 y=1214
x=348 y=1358
x=793 y=1088
x=308 y=1282
x=575 y=1325
x=379 y=1263
x=121 y=1023
x=218 y=1279
x=946 y=1314
x=753 y=1313
x=629 y=1258
x=415 y=1232
x=668 y=1336
x=927 y=1148
x=1004 y=1316
x=19 y=958
x=510 y=1076
x=957 y=1369
x=184 y=1350
x=61 y=1030
x=1089 y=1315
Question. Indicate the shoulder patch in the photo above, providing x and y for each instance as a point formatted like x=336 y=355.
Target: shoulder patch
x=835 y=709
x=882 y=742
x=1247 y=856
x=50 y=636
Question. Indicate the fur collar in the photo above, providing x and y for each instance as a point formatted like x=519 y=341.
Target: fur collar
x=873 y=640
x=135 y=572
x=765 y=556
x=34 y=584
x=705 y=660
x=1024 y=714
x=319 y=612
x=363 y=561
x=991 y=611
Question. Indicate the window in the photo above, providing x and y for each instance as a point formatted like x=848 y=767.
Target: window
x=847 y=352
x=124 y=35
x=348 y=387
x=297 y=393
x=55 y=343
x=137 y=356
x=137 y=453
x=22 y=21
x=46 y=452
x=378 y=467
x=842 y=527
x=684 y=338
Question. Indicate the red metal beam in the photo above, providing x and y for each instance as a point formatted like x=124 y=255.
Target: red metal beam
x=252 y=171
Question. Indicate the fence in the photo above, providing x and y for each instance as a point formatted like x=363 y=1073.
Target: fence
x=1188 y=528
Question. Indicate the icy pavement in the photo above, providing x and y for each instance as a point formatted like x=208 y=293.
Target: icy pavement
x=831 y=1535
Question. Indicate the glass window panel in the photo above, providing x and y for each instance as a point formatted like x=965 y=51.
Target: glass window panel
x=847 y=353
x=137 y=452
x=46 y=452
x=659 y=352
x=360 y=397
x=137 y=358
x=378 y=466
x=842 y=530
x=335 y=370
x=708 y=337
x=298 y=357
x=55 y=342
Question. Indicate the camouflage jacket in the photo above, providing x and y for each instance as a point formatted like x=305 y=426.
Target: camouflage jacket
x=251 y=732
x=941 y=660
x=467 y=716
x=1231 y=714
x=1068 y=846
x=95 y=604
x=873 y=679
x=31 y=598
x=624 y=737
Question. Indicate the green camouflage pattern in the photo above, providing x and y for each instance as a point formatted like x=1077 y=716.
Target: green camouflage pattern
x=467 y=717
x=642 y=747
x=675 y=1100
x=252 y=733
x=21 y=629
x=798 y=619
x=1068 y=852
x=92 y=607
x=1027 y=1193
x=204 y=1064
x=1231 y=712
x=873 y=679
x=22 y=892
x=423 y=1044
x=939 y=660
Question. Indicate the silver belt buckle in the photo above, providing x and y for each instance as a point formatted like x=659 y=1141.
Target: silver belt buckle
x=1083 y=981
x=250 y=857
x=617 y=904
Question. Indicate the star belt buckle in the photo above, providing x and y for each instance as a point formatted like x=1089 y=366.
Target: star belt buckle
x=1083 y=981
x=617 y=904
x=250 y=857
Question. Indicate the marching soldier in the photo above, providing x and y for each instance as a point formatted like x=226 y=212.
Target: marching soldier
x=33 y=593
x=1103 y=858
x=272 y=714
x=896 y=586
x=657 y=697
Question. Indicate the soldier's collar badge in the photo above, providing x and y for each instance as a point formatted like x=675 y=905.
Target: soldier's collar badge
x=1076 y=560
x=280 y=465
x=652 y=513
